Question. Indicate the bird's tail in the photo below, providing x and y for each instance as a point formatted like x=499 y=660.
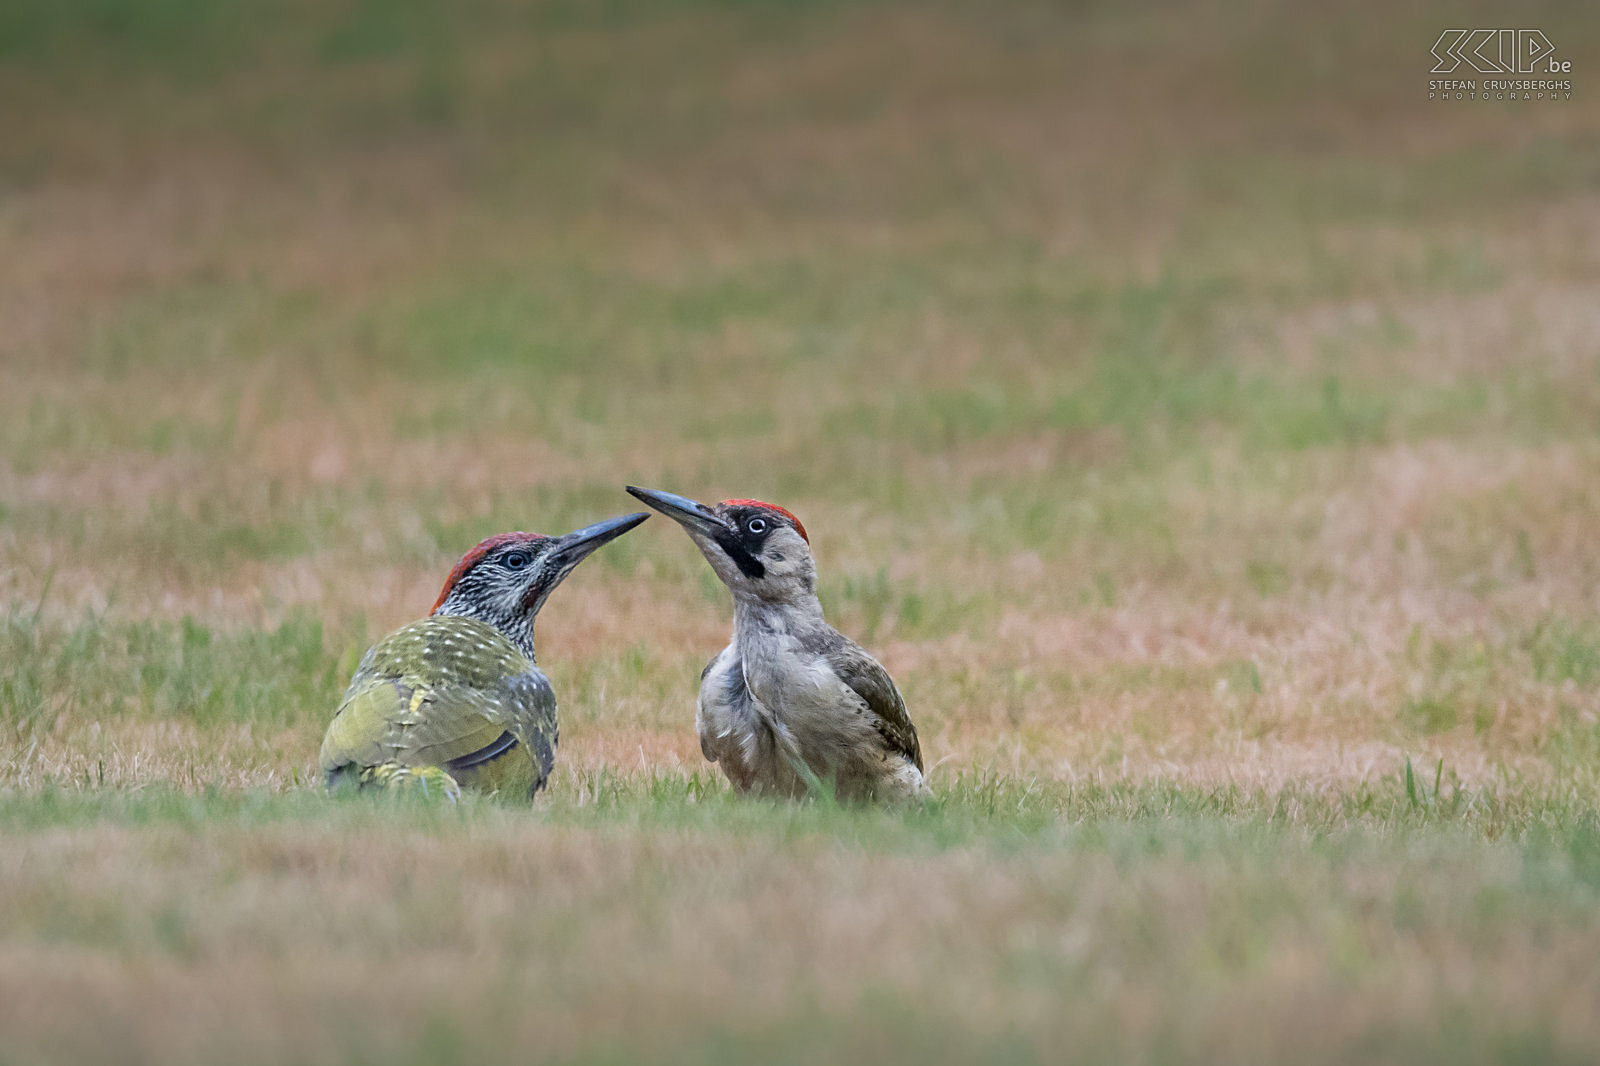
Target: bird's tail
x=426 y=780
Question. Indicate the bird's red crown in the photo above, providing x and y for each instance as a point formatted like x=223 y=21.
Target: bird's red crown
x=475 y=556
x=799 y=528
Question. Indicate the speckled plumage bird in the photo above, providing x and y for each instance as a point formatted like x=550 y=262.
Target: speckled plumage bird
x=791 y=703
x=455 y=699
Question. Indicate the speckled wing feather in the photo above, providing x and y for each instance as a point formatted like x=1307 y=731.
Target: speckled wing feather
x=447 y=692
x=873 y=684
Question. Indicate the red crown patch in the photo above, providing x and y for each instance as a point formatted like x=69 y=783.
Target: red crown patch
x=475 y=556
x=799 y=528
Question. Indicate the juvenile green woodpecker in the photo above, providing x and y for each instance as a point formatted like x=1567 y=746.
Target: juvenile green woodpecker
x=454 y=700
x=791 y=703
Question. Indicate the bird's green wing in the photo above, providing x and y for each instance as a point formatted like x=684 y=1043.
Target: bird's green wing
x=448 y=692
x=529 y=707
x=388 y=720
x=869 y=680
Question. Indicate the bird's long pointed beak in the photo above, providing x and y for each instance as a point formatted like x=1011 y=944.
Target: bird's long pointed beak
x=692 y=515
x=573 y=548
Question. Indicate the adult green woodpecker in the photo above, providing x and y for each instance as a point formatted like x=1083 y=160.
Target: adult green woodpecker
x=455 y=699
x=791 y=703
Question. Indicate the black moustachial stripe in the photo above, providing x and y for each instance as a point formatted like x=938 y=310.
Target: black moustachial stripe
x=747 y=563
x=503 y=744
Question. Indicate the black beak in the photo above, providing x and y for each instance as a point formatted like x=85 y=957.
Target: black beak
x=572 y=549
x=691 y=515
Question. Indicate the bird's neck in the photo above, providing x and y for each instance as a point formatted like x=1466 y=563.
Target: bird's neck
x=754 y=617
x=518 y=630
x=522 y=636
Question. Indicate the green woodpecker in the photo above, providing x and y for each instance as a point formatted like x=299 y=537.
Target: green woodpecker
x=791 y=702
x=455 y=699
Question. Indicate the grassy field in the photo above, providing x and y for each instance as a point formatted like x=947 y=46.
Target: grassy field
x=1201 y=425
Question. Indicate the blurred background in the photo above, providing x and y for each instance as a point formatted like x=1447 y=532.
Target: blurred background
x=1179 y=400
x=1168 y=389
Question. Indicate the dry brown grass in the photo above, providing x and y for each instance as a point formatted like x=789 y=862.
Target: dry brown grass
x=560 y=941
x=1198 y=426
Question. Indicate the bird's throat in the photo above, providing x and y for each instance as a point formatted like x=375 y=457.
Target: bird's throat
x=754 y=617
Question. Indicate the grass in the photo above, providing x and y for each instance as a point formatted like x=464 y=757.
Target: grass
x=654 y=917
x=1203 y=435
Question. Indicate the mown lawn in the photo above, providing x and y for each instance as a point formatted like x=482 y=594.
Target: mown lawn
x=658 y=920
x=1199 y=423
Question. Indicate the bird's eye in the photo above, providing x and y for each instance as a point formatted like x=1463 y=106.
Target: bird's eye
x=757 y=526
x=516 y=560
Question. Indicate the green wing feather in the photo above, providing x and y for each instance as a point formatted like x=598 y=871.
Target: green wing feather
x=441 y=690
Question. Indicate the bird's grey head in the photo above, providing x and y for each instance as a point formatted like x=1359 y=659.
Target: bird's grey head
x=759 y=550
x=505 y=579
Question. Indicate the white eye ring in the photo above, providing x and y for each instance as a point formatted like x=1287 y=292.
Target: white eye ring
x=756 y=525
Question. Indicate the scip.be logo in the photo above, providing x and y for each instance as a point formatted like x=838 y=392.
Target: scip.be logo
x=1497 y=52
